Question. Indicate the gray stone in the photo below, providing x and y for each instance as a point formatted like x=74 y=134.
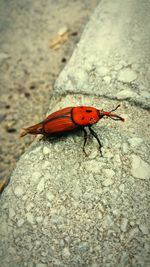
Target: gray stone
x=39 y=219
x=107 y=182
x=83 y=246
x=36 y=176
x=108 y=221
x=49 y=196
x=126 y=94
x=45 y=164
x=20 y=222
x=122 y=187
x=18 y=191
x=135 y=141
x=125 y=148
x=99 y=215
x=124 y=224
x=124 y=259
x=11 y=213
x=144 y=229
x=102 y=71
x=92 y=166
x=127 y=75
x=100 y=207
x=107 y=79
x=29 y=206
x=140 y=169
x=66 y=252
x=30 y=218
x=108 y=173
x=40 y=186
x=118 y=66
x=133 y=233
x=46 y=150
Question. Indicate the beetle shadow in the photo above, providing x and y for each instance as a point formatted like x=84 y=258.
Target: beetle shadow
x=62 y=136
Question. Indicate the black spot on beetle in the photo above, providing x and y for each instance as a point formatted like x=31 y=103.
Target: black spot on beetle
x=82 y=118
x=88 y=110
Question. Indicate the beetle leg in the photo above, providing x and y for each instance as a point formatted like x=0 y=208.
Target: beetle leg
x=85 y=140
x=96 y=137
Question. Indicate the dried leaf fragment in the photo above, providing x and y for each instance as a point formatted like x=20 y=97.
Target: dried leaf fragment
x=3 y=183
x=60 y=38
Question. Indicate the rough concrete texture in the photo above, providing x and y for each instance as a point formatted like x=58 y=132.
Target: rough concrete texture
x=112 y=59
x=29 y=67
x=62 y=208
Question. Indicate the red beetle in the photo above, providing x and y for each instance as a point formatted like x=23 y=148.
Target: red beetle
x=69 y=119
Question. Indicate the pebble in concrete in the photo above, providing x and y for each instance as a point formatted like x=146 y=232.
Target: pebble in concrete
x=83 y=246
x=135 y=141
x=18 y=191
x=30 y=217
x=133 y=233
x=50 y=196
x=108 y=174
x=99 y=215
x=107 y=79
x=46 y=150
x=39 y=219
x=107 y=182
x=20 y=222
x=126 y=94
x=11 y=213
x=40 y=186
x=66 y=252
x=127 y=75
x=45 y=164
x=36 y=176
x=124 y=258
x=122 y=187
x=144 y=229
x=102 y=71
x=124 y=224
x=140 y=169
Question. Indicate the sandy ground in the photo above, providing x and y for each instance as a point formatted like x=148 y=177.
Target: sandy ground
x=29 y=67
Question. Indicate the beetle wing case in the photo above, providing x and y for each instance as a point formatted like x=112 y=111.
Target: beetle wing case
x=59 y=122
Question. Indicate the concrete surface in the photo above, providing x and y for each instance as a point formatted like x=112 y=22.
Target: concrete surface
x=64 y=209
x=112 y=58
x=29 y=67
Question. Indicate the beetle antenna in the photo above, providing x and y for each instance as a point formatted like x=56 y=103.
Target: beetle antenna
x=115 y=108
x=116 y=119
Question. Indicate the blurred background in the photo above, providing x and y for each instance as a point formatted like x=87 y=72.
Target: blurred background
x=37 y=39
